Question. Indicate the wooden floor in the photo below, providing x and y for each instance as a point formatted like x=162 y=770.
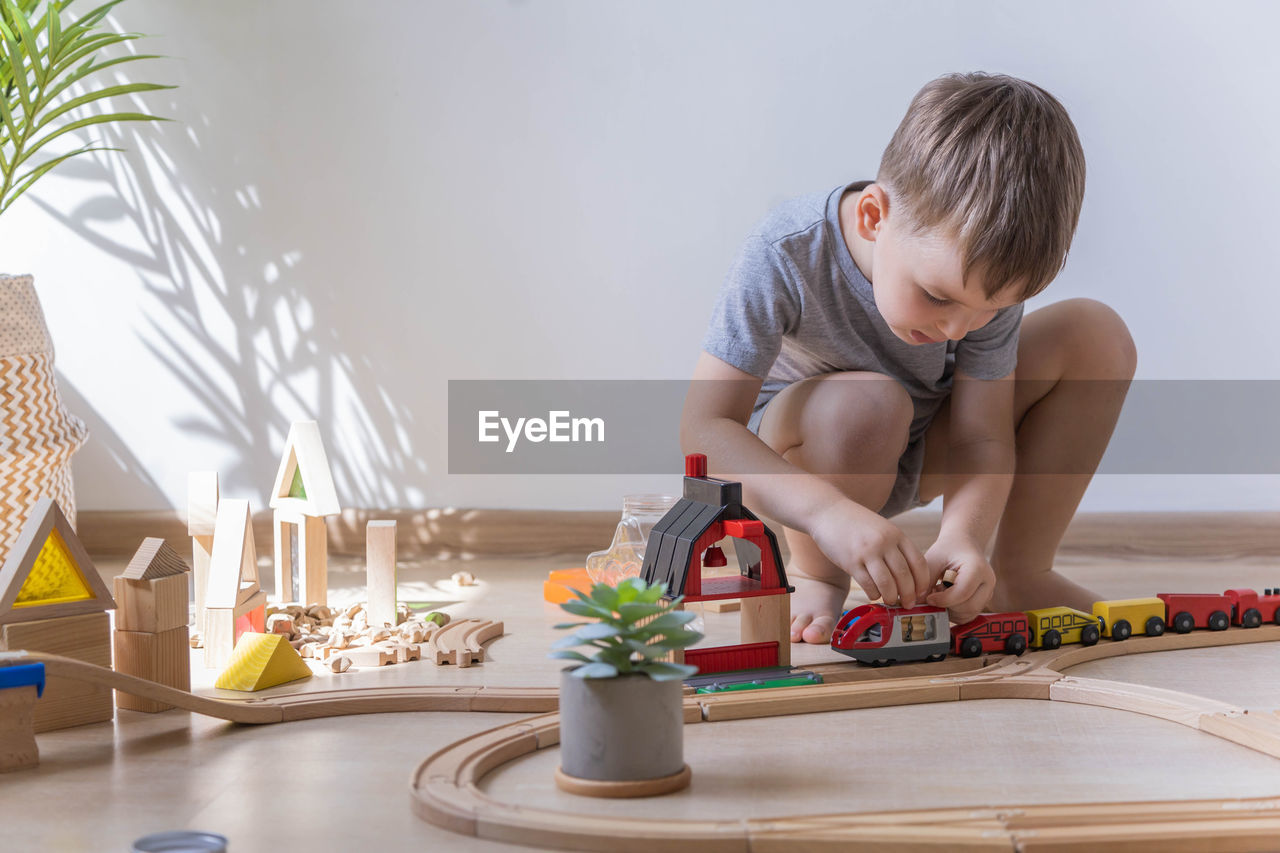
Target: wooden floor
x=342 y=783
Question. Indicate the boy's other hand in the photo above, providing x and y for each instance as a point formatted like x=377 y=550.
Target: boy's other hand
x=874 y=552
x=975 y=580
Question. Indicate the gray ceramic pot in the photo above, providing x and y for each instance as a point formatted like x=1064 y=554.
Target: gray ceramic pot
x=620 y=729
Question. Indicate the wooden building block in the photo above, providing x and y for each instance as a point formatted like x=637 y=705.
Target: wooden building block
x=723 y=605
x=261 y=661
x=48 y=573
x=153 y=605
x=369 y=656
x=224 y=626
x=18 y=748
x=66 y=703
x=202 y=514
x=767 y=619
x=164 y=658
x=380 y=550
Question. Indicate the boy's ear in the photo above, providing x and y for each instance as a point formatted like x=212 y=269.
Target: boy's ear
x=870 y=211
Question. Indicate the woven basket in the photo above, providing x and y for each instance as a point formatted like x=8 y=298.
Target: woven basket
x=37 y=435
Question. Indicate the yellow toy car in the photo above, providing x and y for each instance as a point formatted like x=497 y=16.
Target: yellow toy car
x=1121 y=617
x=1053 y=626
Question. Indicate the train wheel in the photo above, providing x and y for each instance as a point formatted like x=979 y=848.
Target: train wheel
x=1251 y=618
x=1016 y=644
x=1121 y=630
x=881 y=662
x=1089 y=635
x=1155 y=626
x=1218 y=621
x=937 y=657
x=970 y=647
x=1051 y=640
x=1184 y=622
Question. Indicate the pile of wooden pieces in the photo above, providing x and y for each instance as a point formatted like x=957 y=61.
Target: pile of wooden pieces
x=345 y=638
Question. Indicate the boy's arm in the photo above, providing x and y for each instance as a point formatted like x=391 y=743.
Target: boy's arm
x=714 y=422
x=980 y=467
x=981 y=459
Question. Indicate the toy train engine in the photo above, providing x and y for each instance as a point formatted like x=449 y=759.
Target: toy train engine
x=878 y=635
x=1249 y=610
x=991 y=632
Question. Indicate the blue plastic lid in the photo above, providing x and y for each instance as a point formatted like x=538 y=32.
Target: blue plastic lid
x=22 y=675
x=181 y=842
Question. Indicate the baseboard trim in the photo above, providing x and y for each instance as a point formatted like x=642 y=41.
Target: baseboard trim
x=470 y=533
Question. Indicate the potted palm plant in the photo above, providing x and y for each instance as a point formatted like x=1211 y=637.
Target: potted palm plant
x=621 y=725
x=52 y=88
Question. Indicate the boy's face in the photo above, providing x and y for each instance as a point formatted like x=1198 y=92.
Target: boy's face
x=919 y=283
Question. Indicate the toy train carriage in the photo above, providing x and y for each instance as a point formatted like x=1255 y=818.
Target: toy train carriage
x=1185 y=611
x=1120 y=617
x=1053 y=626
x=878 y=635
x=991 y=632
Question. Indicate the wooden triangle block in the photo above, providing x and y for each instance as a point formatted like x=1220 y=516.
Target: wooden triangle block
x=233 y=568
x=155 y=559
x=48 y=573
x=304 y=483
x=261 y=661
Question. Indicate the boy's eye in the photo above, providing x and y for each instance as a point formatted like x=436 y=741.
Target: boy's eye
x=935 y=300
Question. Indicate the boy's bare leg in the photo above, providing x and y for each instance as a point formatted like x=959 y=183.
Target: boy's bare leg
x=1075 y=361
x=850 y=422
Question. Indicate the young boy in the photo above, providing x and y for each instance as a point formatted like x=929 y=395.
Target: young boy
x=863 y=349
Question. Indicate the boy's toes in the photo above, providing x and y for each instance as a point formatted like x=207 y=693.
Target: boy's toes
x=798 y=626
x=818 y=631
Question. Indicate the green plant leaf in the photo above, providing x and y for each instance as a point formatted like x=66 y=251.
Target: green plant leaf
x=597 y=631
x=18 y=67
x=606 y=596
x=29 y=44
x=662 y=671
x=566 y=655
x=24 y=183
x=595 y=670
x=634 y=611
x=671 y=621
x=564 y=626
x=111 y=92
x=82 y=123
x=586 y=608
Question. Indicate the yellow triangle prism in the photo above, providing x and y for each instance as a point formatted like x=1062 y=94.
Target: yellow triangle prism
x=55 y=578
x=261 y=661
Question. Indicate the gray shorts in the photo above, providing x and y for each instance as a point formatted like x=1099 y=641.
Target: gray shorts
x=906 y=488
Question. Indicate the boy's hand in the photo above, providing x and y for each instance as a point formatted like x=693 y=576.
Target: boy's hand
x=975 y=580
x=874 y=552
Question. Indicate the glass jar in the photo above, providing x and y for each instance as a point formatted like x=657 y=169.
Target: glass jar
x=624 y=557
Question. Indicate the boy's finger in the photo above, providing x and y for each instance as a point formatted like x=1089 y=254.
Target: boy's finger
x=907 y=590
x=884 y=580
x=919 y=567
x=863 y=580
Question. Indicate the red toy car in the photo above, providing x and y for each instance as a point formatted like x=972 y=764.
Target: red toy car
x=991 y=632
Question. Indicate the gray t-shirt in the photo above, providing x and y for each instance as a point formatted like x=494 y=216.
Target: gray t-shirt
x=795 y=305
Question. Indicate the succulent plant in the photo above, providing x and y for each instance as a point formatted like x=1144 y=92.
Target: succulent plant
x=631 y=630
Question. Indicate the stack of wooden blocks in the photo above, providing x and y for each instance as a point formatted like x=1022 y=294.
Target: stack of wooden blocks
x=151 y=638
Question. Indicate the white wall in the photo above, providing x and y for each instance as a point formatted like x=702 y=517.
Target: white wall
x=361 y=201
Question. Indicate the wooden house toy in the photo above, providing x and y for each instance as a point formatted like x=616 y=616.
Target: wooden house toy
x=151 y=637
x=709 y=511
x=53 y=600
x=303 y=497
x=234 y=602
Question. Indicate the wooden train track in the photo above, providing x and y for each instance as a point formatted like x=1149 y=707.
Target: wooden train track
x=445 y=788
x=445 y=792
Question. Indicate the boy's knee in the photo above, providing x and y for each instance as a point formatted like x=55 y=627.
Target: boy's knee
x=1102 y=338
x=862 y=420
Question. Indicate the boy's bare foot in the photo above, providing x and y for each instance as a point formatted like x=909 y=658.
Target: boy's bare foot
x=1041 y=589
x=815 y=607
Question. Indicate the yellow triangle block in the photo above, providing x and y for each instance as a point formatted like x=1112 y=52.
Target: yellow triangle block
x=261 y=661
x=54 y=577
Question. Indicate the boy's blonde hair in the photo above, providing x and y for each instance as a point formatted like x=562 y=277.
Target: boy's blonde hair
x=996 y=163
